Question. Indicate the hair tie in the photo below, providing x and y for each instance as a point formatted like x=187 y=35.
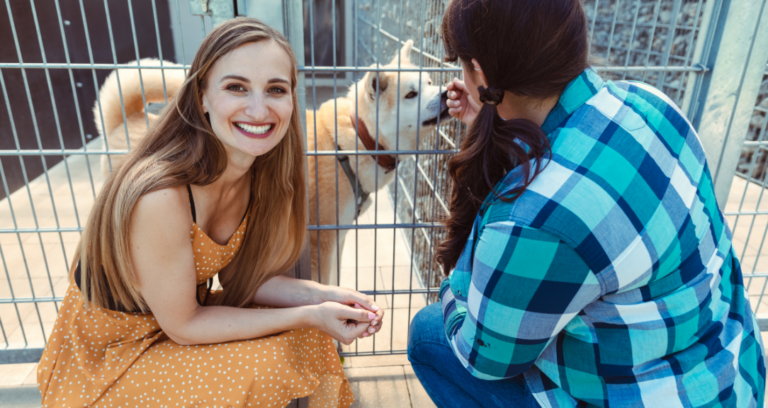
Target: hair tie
x=490 y=95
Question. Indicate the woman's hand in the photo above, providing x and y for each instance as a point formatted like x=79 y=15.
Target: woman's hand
x=342 y=322
x=460 y=104
x=353 y=298
x=375 y=324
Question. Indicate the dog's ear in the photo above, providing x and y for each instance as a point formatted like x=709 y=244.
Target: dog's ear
x=405 y=53
x=376 y=82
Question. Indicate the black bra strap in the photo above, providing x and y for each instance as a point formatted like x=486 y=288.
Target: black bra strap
x=192 y=203
x=111 y=303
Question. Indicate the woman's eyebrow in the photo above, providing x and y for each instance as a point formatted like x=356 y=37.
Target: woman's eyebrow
x=278 y=80
x=246 y=80
x=237 y=77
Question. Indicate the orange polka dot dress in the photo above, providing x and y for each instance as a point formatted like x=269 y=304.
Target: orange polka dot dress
x=105 y=358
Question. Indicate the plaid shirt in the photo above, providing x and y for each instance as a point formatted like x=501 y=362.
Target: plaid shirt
x=611 y=281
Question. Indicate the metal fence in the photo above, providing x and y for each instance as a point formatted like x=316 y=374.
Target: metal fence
x=709 y=56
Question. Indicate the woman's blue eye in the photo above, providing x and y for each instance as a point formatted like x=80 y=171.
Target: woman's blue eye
x=278 y=90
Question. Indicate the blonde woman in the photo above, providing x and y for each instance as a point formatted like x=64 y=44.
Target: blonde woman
x=216 y=187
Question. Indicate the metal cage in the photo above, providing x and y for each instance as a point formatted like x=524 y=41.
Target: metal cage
x=707 y=55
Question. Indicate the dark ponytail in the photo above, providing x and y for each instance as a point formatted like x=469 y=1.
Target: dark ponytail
x=532 y=48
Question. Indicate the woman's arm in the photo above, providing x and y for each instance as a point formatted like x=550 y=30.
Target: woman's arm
x=526 y=285
x=283 y=291
x=164 y=264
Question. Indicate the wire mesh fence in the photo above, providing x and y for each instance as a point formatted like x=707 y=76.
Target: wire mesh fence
x=50 y=152
x=746 y=211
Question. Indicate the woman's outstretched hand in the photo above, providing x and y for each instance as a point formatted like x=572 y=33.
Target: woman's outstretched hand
x=342 y=322
x=460 y=104
x=356 y=300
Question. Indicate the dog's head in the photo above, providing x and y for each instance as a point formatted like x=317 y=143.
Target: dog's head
x=405 y=105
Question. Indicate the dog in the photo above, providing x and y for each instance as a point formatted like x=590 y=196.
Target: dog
x=135 y=114
x=405 y=106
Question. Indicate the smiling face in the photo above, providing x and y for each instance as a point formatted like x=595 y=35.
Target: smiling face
x=247 y=95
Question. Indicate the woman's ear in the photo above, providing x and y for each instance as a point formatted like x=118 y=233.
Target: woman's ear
x=480 y=73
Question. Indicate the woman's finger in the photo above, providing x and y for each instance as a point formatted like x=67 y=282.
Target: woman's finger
x=362 y=300
x=357 y=331
x=459 y=85
x=359 y=315
x=376 y=320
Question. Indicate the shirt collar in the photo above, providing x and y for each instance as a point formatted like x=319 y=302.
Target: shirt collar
x=576 y=93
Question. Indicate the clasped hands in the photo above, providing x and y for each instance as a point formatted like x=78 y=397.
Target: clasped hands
x=347 y=314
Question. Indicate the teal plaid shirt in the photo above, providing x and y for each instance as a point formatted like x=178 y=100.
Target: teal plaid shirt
x=612 y=280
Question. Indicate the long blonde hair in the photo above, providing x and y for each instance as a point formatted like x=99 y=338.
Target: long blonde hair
x=182 y=149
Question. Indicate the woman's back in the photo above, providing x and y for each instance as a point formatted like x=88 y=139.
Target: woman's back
x=623 y=226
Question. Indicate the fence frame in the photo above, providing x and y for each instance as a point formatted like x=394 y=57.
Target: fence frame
x=718 y=98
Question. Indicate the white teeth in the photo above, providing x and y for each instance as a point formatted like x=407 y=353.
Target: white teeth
x=256 y=130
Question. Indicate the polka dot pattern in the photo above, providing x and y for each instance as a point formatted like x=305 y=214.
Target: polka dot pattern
x=103 y=358
x=211 y=257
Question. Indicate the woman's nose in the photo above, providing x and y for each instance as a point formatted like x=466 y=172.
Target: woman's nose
x=257 y=108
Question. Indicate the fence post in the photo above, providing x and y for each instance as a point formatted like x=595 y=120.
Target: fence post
x=733 y=44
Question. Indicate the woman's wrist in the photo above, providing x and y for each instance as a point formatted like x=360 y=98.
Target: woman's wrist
x=325 y=293
x=322 y=293
x=309 y=317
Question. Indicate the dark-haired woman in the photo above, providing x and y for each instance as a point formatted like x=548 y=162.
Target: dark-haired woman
x=590 y=264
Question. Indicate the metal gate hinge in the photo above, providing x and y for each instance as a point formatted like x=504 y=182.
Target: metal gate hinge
x=701 y=67
x=204 y=5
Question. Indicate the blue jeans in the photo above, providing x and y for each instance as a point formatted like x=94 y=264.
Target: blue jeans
x=446 y=380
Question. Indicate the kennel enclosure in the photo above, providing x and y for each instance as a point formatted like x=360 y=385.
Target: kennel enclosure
x=709 y=56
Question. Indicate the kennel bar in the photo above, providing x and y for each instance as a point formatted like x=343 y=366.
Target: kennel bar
x=697 y=68
x=673 y=44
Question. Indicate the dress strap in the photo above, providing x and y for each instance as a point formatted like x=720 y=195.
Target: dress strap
x=192 y=203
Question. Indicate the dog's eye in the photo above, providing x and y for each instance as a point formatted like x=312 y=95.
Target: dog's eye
x=411 y=95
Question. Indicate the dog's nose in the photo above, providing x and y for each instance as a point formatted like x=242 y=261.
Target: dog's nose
x=443 y=100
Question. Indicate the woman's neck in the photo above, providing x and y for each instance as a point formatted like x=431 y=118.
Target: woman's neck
x=522 y=107
x=235 y=176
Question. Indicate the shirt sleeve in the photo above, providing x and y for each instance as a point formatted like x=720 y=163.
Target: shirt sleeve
x=526 y=285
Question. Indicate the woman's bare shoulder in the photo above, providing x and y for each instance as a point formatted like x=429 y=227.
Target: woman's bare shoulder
x=168 y=207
